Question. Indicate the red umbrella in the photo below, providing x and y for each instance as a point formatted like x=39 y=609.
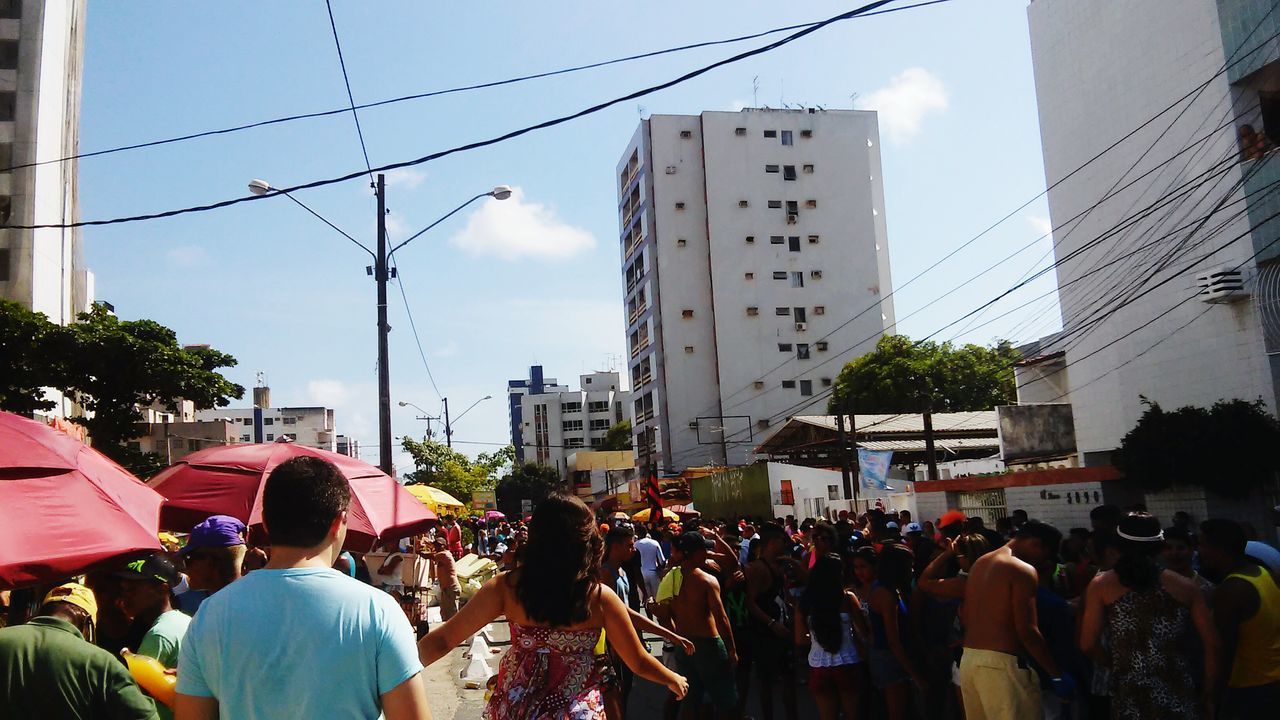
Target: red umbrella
x=228 y=480
x=64 y=507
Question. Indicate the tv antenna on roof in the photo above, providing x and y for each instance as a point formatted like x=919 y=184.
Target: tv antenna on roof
x=853 y=101
x=755 y=91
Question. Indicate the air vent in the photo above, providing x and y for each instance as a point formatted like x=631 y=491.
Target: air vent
x=791 y=219
x=1223 y=285
x=671 y=169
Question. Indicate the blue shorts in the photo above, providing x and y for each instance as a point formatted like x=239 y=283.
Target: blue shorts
x=885 y=669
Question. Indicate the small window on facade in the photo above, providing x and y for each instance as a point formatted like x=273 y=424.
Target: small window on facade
x=771 y=168
x=688 y=348
x=811 y=203
x=826 y=382
x=806 y=387
x=679 y=206
x=822 y=346
x=776 y=239
x=771 y=133
x=797 y=279
x=808 y=169
x=793 y=244
x=788 y=384
x=793 y=207
x=685 y=134
x=686 y=313
x=739 y=131
x=268 y=421
x=782 y=311
x=244 y=438
x=8 y=54
x=819 y=309
x=7 y=105
x=750 y=276
x=813 y=239
x=799 y=314
x=758 y=385
x=5 y=260
x=786 y=137
x=751 y=238
x=806 y=133
x=743 y=203
x=775 y=204
x=270 y=437
x=681 y=242
x=789 y=172
x=784 y=347
x=753 y=311
x=762 y=423
x=780 y=275
x=802 y=351
x=815 y=274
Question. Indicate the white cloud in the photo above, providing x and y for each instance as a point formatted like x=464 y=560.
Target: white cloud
x=187 y=256
x=1041 y=224
x=329 y=393
x=407 y=178
x=514 y=229
x=905 y=101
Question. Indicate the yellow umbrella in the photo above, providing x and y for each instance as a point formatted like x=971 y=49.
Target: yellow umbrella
x=644 y=515
x=439 y=501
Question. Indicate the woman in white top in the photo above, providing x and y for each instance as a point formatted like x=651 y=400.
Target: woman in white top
x=388 y=574
x=831 y=622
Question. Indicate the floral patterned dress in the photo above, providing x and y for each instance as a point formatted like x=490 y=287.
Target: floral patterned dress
x=547 y=674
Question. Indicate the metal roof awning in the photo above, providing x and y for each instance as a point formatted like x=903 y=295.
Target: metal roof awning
x=813 y=439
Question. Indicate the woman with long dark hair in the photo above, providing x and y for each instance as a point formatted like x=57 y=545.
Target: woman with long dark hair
x=891 y=666
x=1146 y=612
x=831 y=623
x=556 y=608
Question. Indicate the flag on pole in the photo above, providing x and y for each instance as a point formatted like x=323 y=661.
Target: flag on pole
x=653 y=492
x=874 y=467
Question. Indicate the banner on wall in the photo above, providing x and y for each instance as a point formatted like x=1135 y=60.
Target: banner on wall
x=873 y=465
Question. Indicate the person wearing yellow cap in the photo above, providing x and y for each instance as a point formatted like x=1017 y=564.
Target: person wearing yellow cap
x=48 y=669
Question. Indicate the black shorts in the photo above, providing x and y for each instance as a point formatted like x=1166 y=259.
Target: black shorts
x=771 y=654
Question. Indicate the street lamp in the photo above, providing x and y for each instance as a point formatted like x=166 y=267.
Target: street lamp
x=380 y=272
x=448 y=426
x=424 y=416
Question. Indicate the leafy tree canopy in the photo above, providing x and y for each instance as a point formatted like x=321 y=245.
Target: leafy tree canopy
x=441 y=466
x=26 y=363
x=529 y=481
x=1224 y=449
x=905 y=376
x=618 y=437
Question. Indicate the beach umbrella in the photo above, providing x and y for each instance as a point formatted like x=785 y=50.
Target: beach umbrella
x=228 y=480
x=494 y=515
x=66 y=508
x=647 y=513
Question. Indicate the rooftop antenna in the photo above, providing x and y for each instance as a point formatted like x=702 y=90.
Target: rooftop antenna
x=782 y=92
x=262 y=378
x=755 y=91
x=853 y=101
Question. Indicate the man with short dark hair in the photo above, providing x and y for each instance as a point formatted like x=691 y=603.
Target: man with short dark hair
x=49 y=670
x=298 y=638
x=1246 y=610
x=698 y=613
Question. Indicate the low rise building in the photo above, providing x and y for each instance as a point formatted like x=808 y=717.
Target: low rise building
x=555 y=424
x=310 y=426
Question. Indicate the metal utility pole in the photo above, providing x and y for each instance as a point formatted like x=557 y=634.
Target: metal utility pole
x=380 y=274
x=930 y=456
x=844 y=454
x=448 y=429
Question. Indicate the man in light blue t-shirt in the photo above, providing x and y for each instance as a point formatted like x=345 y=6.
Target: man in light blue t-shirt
x=298 y=638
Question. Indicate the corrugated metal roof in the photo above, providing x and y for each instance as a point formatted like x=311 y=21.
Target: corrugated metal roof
x=952 y=445
x=910 y=423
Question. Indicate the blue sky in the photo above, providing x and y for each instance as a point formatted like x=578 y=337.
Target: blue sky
x=535 y=279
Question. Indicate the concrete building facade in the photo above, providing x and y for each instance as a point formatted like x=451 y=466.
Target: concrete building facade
x=1169 y=289
x=41 y=67
x=535 y=384
x=558 y=422
x=755 y=264
x=310 y=426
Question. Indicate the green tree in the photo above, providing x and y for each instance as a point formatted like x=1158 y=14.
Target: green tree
x=1224 y=449
x=28 y=361
x=905 y=376
x=441 y=466
x=529 y=481
x=618 y=437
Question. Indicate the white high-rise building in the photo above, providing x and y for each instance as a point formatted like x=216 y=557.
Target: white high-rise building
x=41 y=66
x=557 y=422
x=1181 y=304
x=756 y=264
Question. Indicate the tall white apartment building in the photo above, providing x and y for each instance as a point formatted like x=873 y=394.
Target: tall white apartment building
x=558 y=422
x=1170 y=290
x=41 y=66
x=755 y=263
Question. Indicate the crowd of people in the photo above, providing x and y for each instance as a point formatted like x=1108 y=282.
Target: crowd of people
x=873 y=615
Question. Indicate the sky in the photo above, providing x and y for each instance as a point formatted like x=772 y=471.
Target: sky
x=535 y=279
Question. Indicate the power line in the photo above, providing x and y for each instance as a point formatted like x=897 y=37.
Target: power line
x=414 y=328
x=346 y=81
x=450 y=91
x=560 y=120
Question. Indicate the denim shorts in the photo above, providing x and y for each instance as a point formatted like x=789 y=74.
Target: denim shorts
x=885 y=668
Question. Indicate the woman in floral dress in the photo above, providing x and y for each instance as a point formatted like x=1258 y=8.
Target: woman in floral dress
x=556 y=609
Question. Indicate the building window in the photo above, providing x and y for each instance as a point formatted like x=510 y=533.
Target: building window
x=248 y=421
x=802 y=351
x=822 y=346
x=833 y=492
x=784 y=347
x=7 y=110
x=4 y=264
x=793 y=207
x=775 y=204
x=291 y=436
x=687 y=314
x=808 y=169
x=826 y=382
x=786 y=137
x=806 y=387
x=679 y=206
x=771 y=168
x=811 y=203
x=244 y=438
x=789 y=172
x=685 y=134
x=797 y=279
x=815 y=274
x=776 y=239
x=739 y=131
x=813 y=239
x=571 y=426
x=793 y=243
x=575 y=442
x=750 y=276
x=799 y=315
x=806 y=133
x=782 y=311
x=570 y=407
x=8 y=54
x=268 y=421
x=10 y=9
x=743 y=203
x=762 y=423
x=681 y=242
x=789 y=384
x=270 y=437
x=598 y=407
x=771 y=133
x=780 y=275
x=751 y=239
x=688 y=349
x=758 y=385
x=753 y=311
x=600 y=424
x=289 y=420
x=819 y=309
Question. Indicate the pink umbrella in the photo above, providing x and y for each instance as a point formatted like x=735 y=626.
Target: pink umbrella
x=65 y=508
x=494 y=515
x=228 y=481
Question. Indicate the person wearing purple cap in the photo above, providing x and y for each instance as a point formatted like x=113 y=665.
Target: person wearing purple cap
x=214 y=556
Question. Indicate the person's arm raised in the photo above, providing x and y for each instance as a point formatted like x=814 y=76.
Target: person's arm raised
x=486 y=606
x=622 y=637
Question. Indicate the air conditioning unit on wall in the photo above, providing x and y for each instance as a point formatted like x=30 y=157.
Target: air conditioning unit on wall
x=1221 y=285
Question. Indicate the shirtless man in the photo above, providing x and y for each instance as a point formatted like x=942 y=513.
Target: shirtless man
x=1001 y=633
x=698 y=614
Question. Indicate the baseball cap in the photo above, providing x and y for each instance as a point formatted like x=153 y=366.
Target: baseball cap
x=158 y=567
x=891 y=525
x=914 y=527
x=216 y=531
x=75 y=594
x=951 y=517
x=692 y=542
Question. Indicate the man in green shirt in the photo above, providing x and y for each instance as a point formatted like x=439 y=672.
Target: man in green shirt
x=49 y=670
x=146 y=597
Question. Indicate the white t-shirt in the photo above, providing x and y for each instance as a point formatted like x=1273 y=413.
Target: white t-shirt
x=650 y=554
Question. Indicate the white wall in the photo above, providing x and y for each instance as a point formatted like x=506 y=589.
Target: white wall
x=1102 y=69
